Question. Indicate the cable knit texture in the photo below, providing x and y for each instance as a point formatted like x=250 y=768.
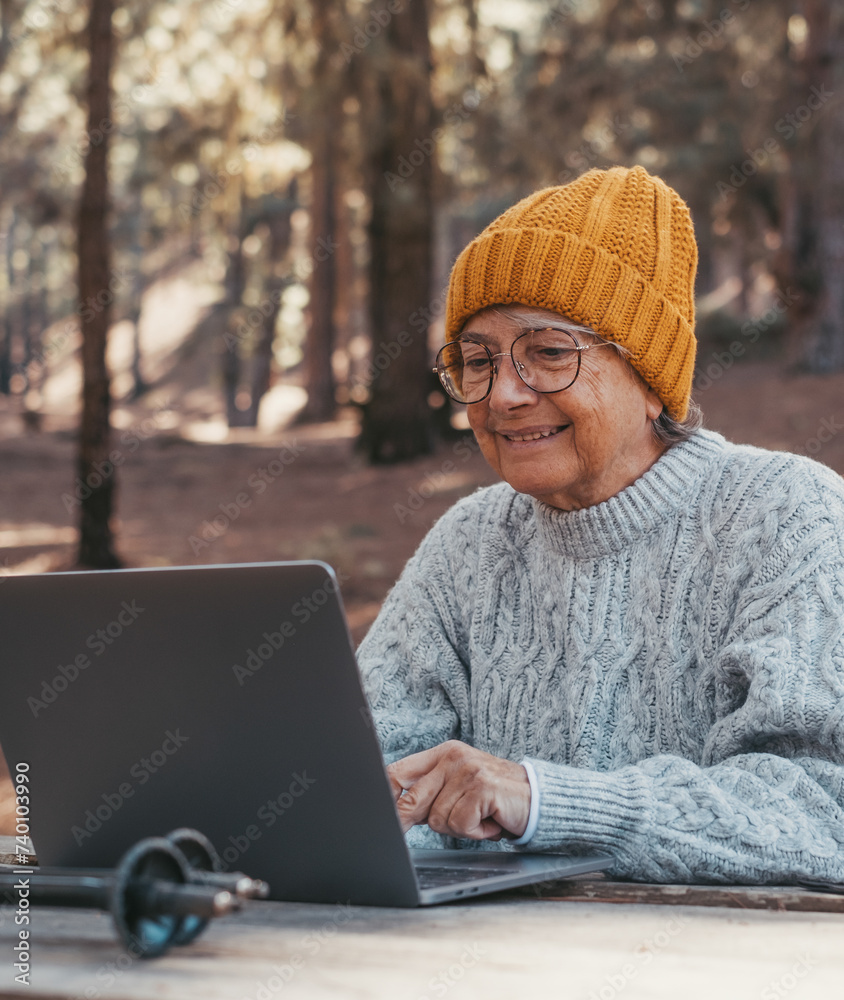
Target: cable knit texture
x=671 y=661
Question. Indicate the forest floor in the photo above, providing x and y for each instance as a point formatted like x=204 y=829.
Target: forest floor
x=302 y=492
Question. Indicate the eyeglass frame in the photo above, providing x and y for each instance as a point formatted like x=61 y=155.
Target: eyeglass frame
x=517 y=365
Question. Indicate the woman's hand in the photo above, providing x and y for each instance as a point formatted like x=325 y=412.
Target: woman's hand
x=462 y=792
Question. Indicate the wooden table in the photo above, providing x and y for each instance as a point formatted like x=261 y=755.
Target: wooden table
x=677 y=946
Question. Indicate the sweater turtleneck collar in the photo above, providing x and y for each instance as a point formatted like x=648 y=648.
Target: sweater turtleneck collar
x=637 y=510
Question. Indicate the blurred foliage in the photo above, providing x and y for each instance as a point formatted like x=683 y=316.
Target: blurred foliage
x=219 y=109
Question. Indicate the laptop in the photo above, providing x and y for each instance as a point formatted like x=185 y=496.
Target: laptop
x=224 y=698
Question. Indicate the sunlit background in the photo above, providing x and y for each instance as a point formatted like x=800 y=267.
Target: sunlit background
x=256 y=150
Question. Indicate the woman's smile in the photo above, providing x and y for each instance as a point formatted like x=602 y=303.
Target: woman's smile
x=531 y=435
x=572 y=448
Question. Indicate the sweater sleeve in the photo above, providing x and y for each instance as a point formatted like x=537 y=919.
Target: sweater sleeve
x=412 y=659
x=766 y=802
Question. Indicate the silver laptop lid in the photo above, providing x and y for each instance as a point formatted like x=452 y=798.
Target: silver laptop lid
x=224 y=698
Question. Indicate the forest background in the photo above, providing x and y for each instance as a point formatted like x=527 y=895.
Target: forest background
x=226 y=229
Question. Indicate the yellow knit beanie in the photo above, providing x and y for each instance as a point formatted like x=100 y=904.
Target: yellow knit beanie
x=614 y=250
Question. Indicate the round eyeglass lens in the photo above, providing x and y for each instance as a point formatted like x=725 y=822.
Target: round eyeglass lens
x=547 y=360
x=465 y=370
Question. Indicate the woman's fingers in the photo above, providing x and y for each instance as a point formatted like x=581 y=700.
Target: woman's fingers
x=461 y=792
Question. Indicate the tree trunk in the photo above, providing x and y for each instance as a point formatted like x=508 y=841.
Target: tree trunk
x=233 y=223
x=95 y=470
x=323 y=109
x=135 y=307
x=814 y=211
x=397 y=421
x=826 y=346
x=262 y=361
x=319 y=346
x=7 y=17
x=8 y=312
x=34 y=324
x=235 y=283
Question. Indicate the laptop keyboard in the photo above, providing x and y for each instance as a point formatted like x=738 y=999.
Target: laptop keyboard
x=435 y=877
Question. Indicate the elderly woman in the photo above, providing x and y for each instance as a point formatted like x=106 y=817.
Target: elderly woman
x=635 y=643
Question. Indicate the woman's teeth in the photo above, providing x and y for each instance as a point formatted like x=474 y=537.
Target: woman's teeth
x=533 y=437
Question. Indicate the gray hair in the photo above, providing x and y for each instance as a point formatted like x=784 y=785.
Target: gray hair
x=665 y=428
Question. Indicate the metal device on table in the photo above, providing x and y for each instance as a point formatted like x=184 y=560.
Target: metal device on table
x=163 y=891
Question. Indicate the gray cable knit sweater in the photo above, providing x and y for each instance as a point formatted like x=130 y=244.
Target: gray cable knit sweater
x=671 y=661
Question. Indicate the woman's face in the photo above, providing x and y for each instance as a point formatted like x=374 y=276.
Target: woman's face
x=600 y=438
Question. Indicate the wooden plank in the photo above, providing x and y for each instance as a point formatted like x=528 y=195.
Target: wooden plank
x=11 y=849
x=557 y=939
x=599 y=890
x=496 y=949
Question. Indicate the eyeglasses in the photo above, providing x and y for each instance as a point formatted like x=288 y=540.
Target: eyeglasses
x=546 y=360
